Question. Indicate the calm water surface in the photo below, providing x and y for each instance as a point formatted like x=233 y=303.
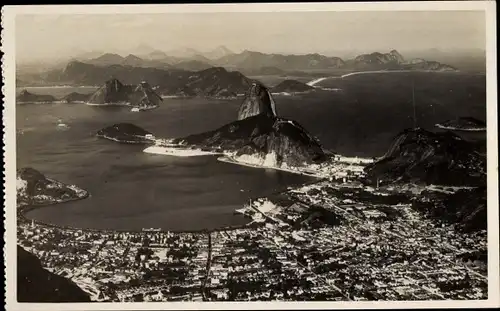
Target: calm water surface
x=131 y=189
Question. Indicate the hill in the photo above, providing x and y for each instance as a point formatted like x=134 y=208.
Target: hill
x=393 y=61
x=25 y=97
x=466 y=208
x=420 y=156
x=113 y=92
x=107 y=59
x=75 y=97
x=212 y=82
x=126 y=133
x=291 y=86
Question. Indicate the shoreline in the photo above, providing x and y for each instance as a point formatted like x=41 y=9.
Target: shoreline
x=452 y=128
x=228 y=159
x=41 y=102
x=21 y=217
x=21 y=211
x=178 y=151
x=355 y=73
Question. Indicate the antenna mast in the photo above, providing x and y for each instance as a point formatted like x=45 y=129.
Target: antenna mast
x=414 y=107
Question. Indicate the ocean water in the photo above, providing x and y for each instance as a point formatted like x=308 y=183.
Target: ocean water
x=132 y=190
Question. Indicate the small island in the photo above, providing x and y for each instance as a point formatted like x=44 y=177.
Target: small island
x=126 y=133
x=25 y=97
x=290 y=87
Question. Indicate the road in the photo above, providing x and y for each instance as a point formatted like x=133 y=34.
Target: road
x=207 y=273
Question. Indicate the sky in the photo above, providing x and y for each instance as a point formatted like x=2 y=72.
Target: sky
x=59 y=36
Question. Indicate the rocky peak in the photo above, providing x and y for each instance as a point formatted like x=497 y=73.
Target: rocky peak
x=144 y=96
x=257 y=101
x=113 y=85
x=112 y=92
x=397 y=56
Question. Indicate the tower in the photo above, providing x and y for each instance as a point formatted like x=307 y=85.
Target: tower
x=413 y=102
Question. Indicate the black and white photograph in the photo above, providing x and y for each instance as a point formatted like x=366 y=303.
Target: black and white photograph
x=179 y=155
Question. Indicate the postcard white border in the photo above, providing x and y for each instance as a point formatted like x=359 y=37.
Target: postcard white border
x=8 y=73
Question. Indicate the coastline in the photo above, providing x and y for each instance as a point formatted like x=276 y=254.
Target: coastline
x=355 y=73
x=22 y=210
x=178 y=151
x=229 y=159
x=144 y=141
x=41 y=102
x=452 y=128
x=21 y=217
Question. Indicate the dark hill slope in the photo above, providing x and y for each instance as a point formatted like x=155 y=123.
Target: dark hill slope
x=212 y=82
x=25 y=97
x=113 y=92
x=75 y=97
x=291 y=86
x=259 y=136
x=418 y=155
x=35 y=284
x=466 y=208
x=125 y=133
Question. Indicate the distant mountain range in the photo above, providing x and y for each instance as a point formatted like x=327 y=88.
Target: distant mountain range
x=249 y=62
x=254 y=60
x=185 y=76
x=274 y=63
